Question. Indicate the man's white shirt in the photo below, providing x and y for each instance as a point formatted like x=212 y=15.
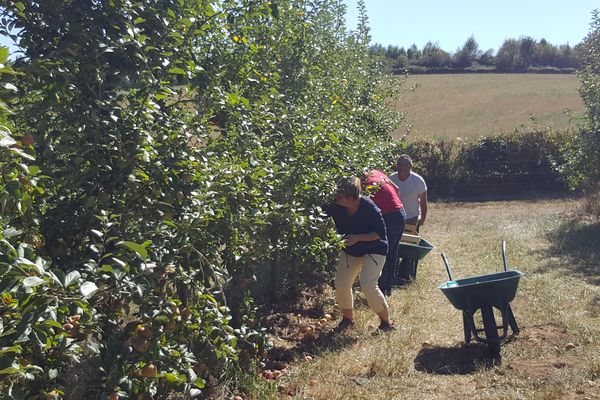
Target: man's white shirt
x=409 y=192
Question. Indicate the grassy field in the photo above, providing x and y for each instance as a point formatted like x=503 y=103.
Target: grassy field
x=471 y=105
x=556 y=356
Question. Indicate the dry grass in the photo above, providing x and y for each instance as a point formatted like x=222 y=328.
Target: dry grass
x=556 y=304
x=471 y=105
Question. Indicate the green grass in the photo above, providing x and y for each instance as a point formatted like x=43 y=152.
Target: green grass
x=471 y=105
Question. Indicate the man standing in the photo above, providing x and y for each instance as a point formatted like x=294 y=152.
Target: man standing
x=413 y=194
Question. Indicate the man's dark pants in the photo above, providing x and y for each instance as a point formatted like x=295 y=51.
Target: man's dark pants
x=394 y=225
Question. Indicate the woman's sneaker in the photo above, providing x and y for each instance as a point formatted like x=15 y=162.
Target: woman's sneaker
x=386 y=326
x=345 y=324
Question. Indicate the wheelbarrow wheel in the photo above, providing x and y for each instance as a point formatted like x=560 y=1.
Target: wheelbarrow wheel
x=466 y=327
x=491 y=330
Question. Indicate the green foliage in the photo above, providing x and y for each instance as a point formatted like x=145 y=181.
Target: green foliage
x=466 y=55
x=582 y=169
x=434 y=56
x=185 y=148
x=29 y=324
x=514 y=55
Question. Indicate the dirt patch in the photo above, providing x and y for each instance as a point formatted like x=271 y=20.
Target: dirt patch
x=546 y=336
x=547 y=368
x=556 y=350
x=300 y=330
x=467 y=359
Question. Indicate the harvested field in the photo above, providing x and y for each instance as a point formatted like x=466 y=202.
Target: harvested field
x=471 y=105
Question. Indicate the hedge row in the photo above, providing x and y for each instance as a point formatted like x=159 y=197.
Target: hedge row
x=503 y=166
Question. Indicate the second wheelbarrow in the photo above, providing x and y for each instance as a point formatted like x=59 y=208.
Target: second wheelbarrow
x=412 y=253
x=485 y=292
x=415 y=251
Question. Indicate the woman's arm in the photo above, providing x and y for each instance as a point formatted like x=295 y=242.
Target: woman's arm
x=361 y=237
x=376 y=223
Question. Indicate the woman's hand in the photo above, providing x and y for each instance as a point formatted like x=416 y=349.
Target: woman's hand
x=351 y=239
x=362 y=237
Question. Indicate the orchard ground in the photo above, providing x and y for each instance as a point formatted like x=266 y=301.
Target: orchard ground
x=557 y=307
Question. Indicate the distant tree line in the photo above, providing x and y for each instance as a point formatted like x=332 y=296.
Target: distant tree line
x=515 y=55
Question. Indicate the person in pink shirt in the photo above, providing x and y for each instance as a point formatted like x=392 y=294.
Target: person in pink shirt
x=384 y=194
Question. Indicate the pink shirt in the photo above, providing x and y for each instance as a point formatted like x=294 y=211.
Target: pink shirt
x=383 y=192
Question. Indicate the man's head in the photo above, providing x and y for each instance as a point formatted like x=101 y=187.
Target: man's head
x=403 y=166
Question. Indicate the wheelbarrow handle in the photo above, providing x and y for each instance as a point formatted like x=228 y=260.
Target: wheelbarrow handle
x=504 y=259
x=447 y=267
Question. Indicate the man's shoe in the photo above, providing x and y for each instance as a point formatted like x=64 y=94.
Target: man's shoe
x=400 y=282
x=345 y=324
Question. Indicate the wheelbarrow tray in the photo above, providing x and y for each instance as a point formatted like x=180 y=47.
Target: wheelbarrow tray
x=484 y=290
x=415 y=251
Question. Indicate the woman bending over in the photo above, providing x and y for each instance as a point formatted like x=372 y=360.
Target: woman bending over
x=360 y=221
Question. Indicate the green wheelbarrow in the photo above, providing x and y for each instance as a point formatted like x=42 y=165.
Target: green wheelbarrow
x=412 y=253
x=485 y=292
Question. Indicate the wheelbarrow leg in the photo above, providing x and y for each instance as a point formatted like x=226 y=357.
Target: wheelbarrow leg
x=466 y=327
x=413 y=269
x=491 y=330
x=511 y=320
x=403 y=271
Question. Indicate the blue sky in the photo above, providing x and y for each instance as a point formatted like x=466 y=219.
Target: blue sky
x=451 y=22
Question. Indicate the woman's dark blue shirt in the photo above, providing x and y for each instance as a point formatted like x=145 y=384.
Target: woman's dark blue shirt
x=365 y=220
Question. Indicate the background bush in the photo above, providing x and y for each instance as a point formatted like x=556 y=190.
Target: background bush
x=582 y=168
x=503 y=166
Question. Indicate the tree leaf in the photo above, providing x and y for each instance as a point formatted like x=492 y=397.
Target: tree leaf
x=13 y=349
x=72 y=277
x=9 y=371
x=7 y=141
x=22 y=153
x=135 y=247
x=10 y=232
x=88 y=289
x=4 y=52
x=97 y=233
x=177 y=70
x=170 y=377
x=33 y=281
x=51 y=322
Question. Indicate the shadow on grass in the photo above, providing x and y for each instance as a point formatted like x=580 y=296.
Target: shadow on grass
x=575 y=249
x=329 y=341
x=454 y=360
x=593 y=307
